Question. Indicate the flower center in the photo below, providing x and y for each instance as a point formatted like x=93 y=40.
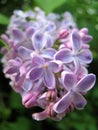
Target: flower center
x=46 y=66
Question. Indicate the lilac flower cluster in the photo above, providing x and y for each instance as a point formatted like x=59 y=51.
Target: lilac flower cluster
x=47 y=62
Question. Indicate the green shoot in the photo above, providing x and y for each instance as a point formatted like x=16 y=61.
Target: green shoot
x=5 y=44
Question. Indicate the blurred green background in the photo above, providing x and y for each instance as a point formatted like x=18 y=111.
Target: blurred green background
x=13 y=115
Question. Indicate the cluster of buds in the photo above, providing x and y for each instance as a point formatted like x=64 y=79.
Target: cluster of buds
x=47 y=62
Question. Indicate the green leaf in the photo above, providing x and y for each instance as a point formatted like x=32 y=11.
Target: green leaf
x=5 y=44
x=49 y=5
x=22 y=123
x=4 y=20
x=15 y=100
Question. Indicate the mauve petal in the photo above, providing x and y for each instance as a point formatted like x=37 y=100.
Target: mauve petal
x=38 y=60
x=30 y=14
x=17 y=35
x=86 y=83
x=48 y=41
x=22 y=70
x=15 y=62
x=29 y=24
x=37 y=41
x=86 y=38
x=19 y=13
x=30 y=31
x=42 y=102
x=36 y=73
x=3 y=50
x=38 y=86
x=85 y=46
x=81 y=72
x=76 y=64
x=5 y=38
x=84 y=30
x=24 y=52
x=18 y=85
x=79 y=101
x=63 y=103
x=17 y=77
x=40 y=116
x=50 y=27
x=26 y=96
x=76 y=41
x=31 y=102
x=85 y=56
x=48 y=53
x=27 y=85
x=68 y=79
x=55 y=66
x=49 y=79
x=64 y=55
x=12 y=70
x=29 y=99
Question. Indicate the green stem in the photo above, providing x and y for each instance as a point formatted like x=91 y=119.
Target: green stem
x=5 y=44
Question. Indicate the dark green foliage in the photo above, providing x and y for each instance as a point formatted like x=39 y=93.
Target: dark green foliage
x=53 y=4
x=13 y=115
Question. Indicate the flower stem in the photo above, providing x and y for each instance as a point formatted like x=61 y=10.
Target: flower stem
x=5 y=44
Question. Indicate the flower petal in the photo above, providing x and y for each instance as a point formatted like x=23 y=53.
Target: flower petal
x=84 y=30
x=38 y=86
x=40 y=116
x=36 y=73
x=18 y=85
x=63 y=103
x=79 y=101
x=48 y=53
x=12 y=70
x=68 y=79
x=15 y=62
x=86 y=38
x=50 y=27
x=64 y=55
x=37 y=41
x=55 y=66
x=27 y=85
x=38 y=60
x=17 y=35
x=85 y=56
x=31 y=102
x=30 y=31
x=49 y=41
x=24 y=52
x=5 y=38
x=22 y=70
x=76 y=41
x=49 y=79
x=81 y=72
x=86 y=83
x=42 y=102
x=29 y=99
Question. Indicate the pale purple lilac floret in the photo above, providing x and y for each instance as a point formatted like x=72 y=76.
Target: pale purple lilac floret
x=47 y=62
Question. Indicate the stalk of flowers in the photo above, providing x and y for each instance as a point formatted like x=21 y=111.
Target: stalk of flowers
x=47 y=62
